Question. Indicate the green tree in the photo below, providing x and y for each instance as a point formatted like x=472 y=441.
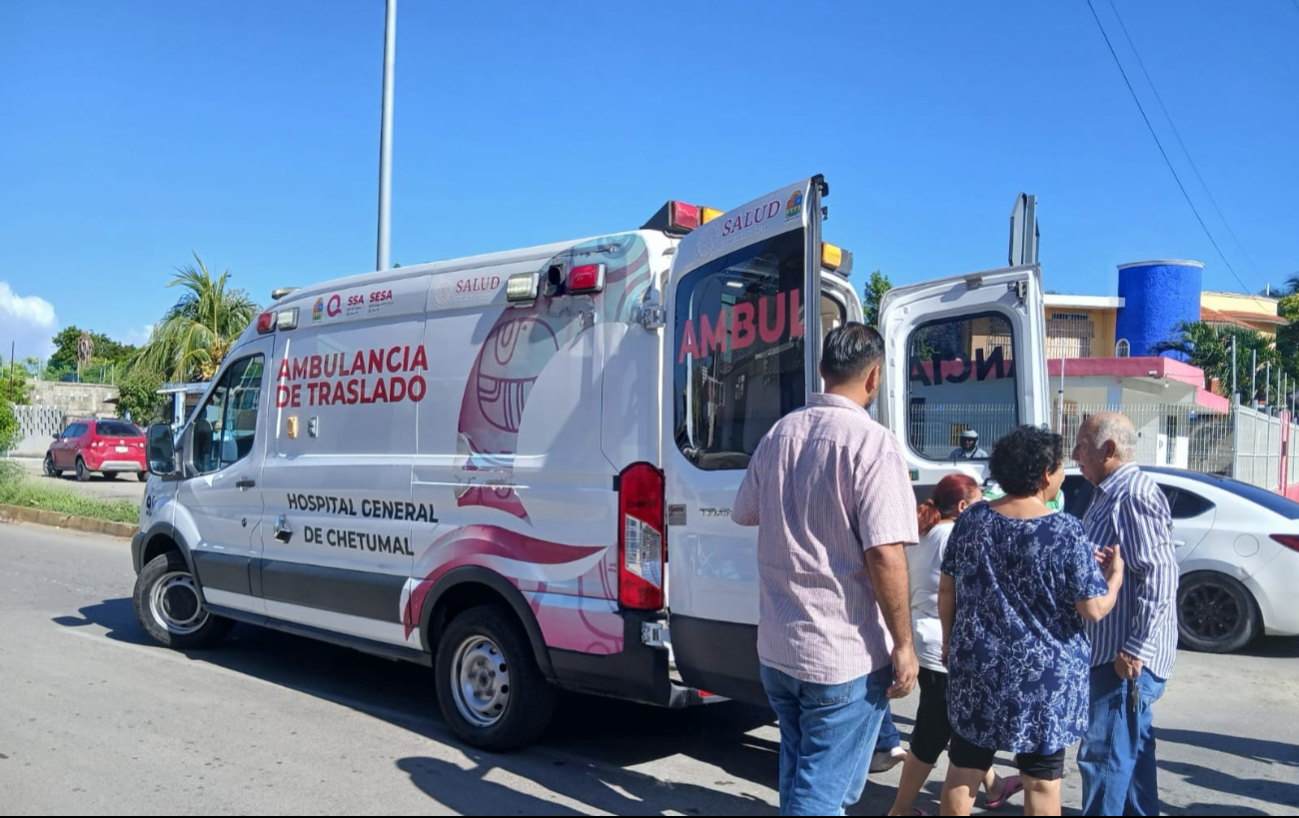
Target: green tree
x=8 y=426
x=1208 y=347
x=138 y=396
x=194 y=336
x=64 y=358
x=875 y=289
x=15 y=383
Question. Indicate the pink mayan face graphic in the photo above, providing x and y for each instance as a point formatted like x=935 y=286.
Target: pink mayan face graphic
x=521 y=343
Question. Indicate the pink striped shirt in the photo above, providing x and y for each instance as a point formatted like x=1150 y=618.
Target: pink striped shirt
x=825 y=484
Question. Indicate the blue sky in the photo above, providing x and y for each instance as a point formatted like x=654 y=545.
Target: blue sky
x=138 y=132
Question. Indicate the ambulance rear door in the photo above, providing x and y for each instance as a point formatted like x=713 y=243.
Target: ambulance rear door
x=966 y=353
x=737 y=317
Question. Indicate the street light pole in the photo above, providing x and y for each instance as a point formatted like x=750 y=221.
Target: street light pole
x=1235 y=393
x=385 y=136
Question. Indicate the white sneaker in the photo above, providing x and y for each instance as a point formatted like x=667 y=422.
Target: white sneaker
x=885 y=760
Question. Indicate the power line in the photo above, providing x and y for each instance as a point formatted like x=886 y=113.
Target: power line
x=1182 y=144
x=1162 y=152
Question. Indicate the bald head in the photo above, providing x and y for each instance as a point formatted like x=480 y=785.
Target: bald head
x=1105 y=442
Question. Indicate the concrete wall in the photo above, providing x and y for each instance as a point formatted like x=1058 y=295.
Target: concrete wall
x=79 y=399
x=53 y=405
x=37 y=426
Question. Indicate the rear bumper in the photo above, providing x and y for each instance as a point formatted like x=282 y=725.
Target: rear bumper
x=1273 y=588
x=111 y=462
x=120 y=465
x=720 y=657
x=637 y=673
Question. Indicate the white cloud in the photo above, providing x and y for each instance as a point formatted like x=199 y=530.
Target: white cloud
x=27 y=321
x=138 y=337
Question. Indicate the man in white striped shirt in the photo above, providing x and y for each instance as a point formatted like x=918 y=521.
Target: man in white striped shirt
x=1133 y=649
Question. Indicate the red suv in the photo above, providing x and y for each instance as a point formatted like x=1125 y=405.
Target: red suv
x=107 y=446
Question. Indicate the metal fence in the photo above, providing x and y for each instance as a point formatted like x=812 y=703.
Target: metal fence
x=1243 y=443
x=934 y=429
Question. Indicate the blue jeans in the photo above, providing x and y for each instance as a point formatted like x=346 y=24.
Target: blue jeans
x=826 y=736
x=889 y=736
x=1117 y=756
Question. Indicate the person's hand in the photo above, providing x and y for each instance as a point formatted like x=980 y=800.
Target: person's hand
x=1127 y=666
x=1111 y=563
x=905 y=669
x=943 y=656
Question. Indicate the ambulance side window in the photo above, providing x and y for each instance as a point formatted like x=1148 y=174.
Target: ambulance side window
x=738 y=350
x=226 y=426
x=961 y=380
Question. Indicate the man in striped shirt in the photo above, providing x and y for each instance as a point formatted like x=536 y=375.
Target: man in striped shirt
x=1133 y=649
x=830 y=495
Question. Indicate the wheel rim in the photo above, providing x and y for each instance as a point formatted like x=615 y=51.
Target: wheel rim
x=175 y=604
x=480 y=681
x=81 y=468
x=49 y=466
x=1211 y=612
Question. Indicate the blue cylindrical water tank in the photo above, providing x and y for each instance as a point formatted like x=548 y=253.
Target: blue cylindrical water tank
x=1156 y=296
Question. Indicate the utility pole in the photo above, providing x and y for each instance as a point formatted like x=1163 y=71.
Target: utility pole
x=385 y=136
x=1235 y=393
x=1253 y=378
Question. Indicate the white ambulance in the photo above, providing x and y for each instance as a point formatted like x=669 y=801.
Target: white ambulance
x=518 y=468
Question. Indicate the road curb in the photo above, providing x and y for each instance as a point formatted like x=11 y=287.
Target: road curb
x=69 y=521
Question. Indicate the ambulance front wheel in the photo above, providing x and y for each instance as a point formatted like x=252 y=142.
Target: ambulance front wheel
x=490 y=690
x=170 y=608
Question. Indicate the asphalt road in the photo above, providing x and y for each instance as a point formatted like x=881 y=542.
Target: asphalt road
x=95 y=720
x=123 y=487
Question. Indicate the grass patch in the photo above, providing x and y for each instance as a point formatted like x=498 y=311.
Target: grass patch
x=16 y=489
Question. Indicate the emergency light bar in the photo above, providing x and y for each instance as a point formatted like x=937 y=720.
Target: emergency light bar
x=678 y=218
x=836 y=258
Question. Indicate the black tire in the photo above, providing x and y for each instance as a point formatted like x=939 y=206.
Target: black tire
x=530 y=701
x=142 y=476
x=82 y=474
x=1215 y=613
x=204 y=630
x=50 y=471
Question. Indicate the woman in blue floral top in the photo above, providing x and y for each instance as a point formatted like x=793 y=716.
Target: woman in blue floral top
x=1018 y=581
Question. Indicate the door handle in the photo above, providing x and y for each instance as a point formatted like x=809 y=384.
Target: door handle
x=1179 y=543
x=245 y=484
x=283 y=532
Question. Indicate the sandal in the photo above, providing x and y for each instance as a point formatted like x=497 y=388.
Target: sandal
x=1010 y=785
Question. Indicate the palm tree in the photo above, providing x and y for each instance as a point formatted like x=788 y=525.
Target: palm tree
x=1209 y=348
x=194 y=336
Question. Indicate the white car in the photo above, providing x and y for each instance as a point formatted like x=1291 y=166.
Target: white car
x=1238 y=551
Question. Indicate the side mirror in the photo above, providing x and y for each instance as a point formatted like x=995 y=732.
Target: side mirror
x=161 y=449
x=56 y=435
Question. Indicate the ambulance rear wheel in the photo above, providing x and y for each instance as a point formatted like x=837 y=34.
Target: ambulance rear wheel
x=170 y=608
x=490 y=690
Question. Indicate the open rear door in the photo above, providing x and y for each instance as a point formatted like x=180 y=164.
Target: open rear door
x=737 y=361
x=964 y=355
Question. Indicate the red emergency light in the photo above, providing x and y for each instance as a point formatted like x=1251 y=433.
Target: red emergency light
x=675 y=217
x=266 y=323
x=586 y=278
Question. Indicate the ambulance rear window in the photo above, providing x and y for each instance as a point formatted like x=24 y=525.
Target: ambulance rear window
x=961 y=388
x=738 y=350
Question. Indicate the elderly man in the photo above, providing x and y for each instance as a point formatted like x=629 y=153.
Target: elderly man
x=829 y=492
x=1133 y=648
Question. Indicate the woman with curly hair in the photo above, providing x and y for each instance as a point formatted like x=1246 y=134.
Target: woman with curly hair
x=1017 y=582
